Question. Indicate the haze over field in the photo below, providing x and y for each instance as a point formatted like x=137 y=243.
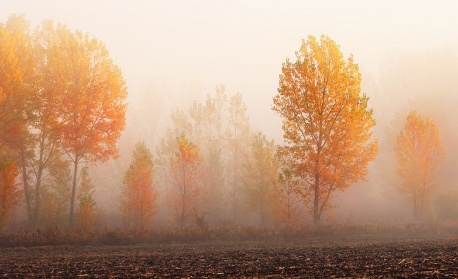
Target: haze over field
x=172 y=53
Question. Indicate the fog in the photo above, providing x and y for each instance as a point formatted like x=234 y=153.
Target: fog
x=173 y=53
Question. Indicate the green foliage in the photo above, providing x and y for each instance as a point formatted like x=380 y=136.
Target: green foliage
x=261 y=172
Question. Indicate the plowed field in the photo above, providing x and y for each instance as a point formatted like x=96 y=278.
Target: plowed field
x=299 y=258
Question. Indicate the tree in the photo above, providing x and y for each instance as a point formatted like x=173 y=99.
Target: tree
x=261 y=173
x=238 y=142
x=289 y=204
x=55 y=193
x=419 y=153
x=16 y=82
x=10 y=195
x=208 y=121
x=87 y=206
x=326 y=122
x=220 y=129
x=216 y=109
x=92 y=95
x=40 y=149
x=138 y=197
x=188 y=194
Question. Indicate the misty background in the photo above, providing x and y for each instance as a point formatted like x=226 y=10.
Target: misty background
x=173 y=53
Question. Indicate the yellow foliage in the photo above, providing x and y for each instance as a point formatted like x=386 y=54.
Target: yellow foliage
x=326 y=122
x=11 y=78
x=419 y=152
x=91 y=95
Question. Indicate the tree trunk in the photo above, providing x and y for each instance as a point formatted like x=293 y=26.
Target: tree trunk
x=36 y=211
x=316 y=200
x=72 y=201
x=415 y=202
x=26 y=186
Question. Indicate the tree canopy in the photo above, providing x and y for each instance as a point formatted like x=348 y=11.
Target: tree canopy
x=419 y=152
x=326 y=121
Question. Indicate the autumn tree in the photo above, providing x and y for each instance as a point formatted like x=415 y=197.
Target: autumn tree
x=220 y=128
x=138 y=197
x=55 y=193
x=326 y=122
x=15 y=73
x=41 y=147
x=238 y=143
x=261 y=172
x=208 y=130
x=419 y=153
x=188 y=194
x=91 y=93
x=217 y=153
x=10 y=194
x=86 y=205
x=167 y=147
x=289 y=204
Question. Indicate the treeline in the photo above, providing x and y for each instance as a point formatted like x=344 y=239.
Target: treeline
x=63 y=107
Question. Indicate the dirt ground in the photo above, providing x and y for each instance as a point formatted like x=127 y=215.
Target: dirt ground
x=298 y=258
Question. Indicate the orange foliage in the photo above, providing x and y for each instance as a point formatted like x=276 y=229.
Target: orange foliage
x=326 y=122
x=11 y=78
x=188 y=194
x=138 y=197
x=16 y=80
x=91 y=93
x=419 y=153
x=42 y=148
x=9 y=190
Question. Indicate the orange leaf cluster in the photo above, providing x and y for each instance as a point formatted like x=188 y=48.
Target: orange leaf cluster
x=138 y=200
x=10 y=194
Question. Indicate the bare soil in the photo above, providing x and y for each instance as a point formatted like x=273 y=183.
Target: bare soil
x=275 y=258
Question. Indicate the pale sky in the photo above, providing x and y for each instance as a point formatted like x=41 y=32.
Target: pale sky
x=242 y=44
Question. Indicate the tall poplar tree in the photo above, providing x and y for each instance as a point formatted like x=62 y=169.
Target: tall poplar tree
x=419 y=152
x=138 y=197
x=92 y=94
x=326 y=121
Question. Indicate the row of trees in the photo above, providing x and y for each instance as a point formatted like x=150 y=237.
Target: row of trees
x=328 y=128
x=62 y=105
x=212 y=162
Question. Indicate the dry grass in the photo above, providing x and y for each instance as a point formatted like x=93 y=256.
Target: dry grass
x=53 y=236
